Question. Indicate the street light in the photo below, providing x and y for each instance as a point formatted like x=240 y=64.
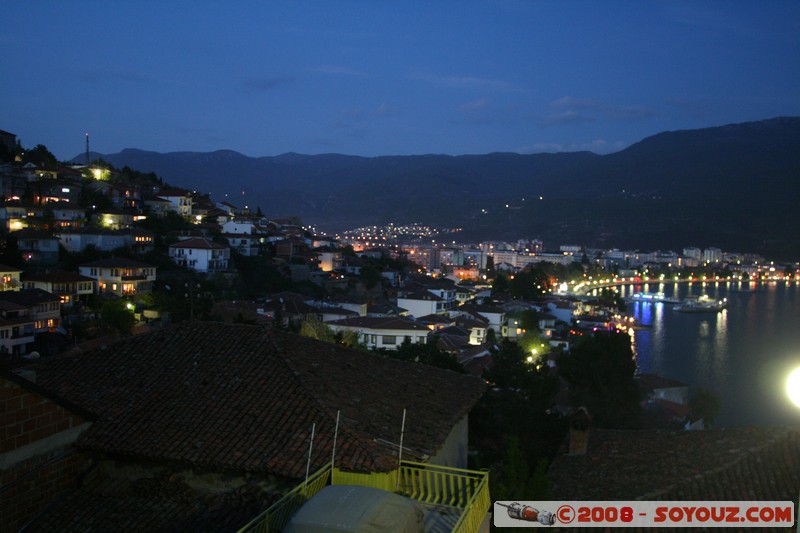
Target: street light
x=793 y=386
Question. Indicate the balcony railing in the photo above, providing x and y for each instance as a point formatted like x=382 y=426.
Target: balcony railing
x=463 y=493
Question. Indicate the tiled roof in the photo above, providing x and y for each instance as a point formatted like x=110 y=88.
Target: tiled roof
x=6 y=268
x=28 y=297
x=117 y=262
x=198 y=243
x=105 y=503
x=392 y=323
x=242 y=398
x=754 y=463
x=56 y=276
x=31 y=233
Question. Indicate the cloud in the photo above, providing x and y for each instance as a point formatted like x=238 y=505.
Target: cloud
x=337 y=70
x=570 y=116
x=568 y=102
x=262 y=85
x=467 y=82
x=598 y=146
x=475 y=105
x=569 y=110
x=384 y=110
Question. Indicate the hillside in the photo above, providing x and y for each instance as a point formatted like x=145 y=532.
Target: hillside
x=729 y=186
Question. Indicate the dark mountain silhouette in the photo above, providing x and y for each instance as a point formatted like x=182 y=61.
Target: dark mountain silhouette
x=733 y=186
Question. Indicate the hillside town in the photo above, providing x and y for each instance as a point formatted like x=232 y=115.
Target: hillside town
x=79 y=234
x=112 y=278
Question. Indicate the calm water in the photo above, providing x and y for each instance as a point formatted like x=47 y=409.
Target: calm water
x=742 y=354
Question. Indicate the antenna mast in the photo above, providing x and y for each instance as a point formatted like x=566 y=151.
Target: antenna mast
x=87 y=149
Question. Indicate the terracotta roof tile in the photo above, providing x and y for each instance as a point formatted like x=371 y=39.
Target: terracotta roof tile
x=243 y=398
x=755 y=463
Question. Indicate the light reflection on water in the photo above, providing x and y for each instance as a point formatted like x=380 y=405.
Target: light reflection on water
x=742 y=354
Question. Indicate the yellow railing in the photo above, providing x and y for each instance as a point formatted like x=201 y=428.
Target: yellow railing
x=465 y=491
x=278 y=514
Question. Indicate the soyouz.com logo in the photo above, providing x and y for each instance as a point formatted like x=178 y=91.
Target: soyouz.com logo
x=740 y=514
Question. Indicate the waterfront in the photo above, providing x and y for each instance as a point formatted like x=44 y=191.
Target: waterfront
x=742 y=353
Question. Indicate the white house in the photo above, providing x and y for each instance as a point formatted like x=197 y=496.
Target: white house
x=76 y=240
x=423 y=302
x=563 y=310
x=180 y=201
x=68 y=286
x=386 y=333
x=120 y=276
x=201 y=255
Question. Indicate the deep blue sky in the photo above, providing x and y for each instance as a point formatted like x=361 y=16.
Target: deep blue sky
x=374 y=77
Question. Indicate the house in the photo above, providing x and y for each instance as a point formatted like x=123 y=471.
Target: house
x=157 y=206
x=37 y=247
x=328 y=258
x=113 y=219
x=733 y=464
x=120 y=276
x=9 y=278
x=106 y=240
x=563 y=310
x=68 y=286
x=477 y=328
x=39 y=461
x=246 y=244
x=16 y=329
x=141 y=241
x=388 y=333
x=14 y=217
x=64 y=214
x=494 y=315
x=180 y=201
x=43 y=308
x=422 y=302
x=204 y=424
x=200 y=254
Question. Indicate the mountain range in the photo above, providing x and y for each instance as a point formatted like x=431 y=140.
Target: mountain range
x=733 y=186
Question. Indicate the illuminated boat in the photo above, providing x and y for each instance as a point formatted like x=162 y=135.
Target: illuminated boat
x=701 y=304
x=653 y=297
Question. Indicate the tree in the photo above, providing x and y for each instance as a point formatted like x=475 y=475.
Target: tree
x=514 y=479
x=600 y=371
x=116 y=318
x=316 y=329
x=428 y=353
x=40 y=156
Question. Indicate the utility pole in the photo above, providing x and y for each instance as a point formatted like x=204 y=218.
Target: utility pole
x=87 y=150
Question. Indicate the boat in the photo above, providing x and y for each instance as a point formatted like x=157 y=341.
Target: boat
x=652 y=297
x=701 y=304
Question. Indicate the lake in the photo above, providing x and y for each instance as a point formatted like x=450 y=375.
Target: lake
x=742 y=354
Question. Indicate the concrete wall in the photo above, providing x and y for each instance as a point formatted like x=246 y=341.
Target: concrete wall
x=454 y=451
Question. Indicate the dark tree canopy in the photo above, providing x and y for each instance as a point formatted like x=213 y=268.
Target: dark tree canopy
x=600 y=370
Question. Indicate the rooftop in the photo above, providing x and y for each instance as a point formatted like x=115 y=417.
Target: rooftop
x=752 y=463
x=244 y=398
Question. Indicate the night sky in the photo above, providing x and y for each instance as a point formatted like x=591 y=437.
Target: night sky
x=381 y=78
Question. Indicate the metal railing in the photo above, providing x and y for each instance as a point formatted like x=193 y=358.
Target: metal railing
x=464 y=491
x=467 y=490
x=278 y=514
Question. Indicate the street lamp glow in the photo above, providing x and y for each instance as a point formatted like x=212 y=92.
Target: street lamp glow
x=793 y=386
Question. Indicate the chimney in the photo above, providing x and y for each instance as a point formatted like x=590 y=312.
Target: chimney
x=579 y=432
